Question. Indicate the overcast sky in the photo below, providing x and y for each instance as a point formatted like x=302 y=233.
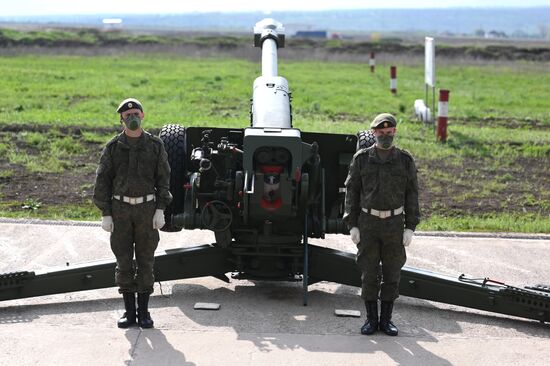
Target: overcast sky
x=55 y=7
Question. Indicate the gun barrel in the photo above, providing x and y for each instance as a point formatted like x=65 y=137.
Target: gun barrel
x=269 y=57
x=271 y=95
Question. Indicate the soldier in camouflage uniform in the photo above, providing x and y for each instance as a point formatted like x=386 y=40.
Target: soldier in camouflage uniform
x=382 y=211
x=131 y=190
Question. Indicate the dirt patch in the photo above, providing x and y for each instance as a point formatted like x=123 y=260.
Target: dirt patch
x=476 y=187
x=508 y=122
x=64 y=130
x=72 y=186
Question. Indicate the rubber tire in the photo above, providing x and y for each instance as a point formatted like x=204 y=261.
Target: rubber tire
x=365 y=139
x=175 y=145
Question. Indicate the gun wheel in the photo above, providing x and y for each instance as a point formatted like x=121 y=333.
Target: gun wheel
x=175 y=145
x=365 y=139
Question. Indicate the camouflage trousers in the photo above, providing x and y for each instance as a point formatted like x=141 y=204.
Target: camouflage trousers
x=134 y=234
x=380 y=256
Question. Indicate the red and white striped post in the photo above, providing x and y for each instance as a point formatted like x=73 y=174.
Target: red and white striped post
x=393 y=79
x=372 y=62
x=443 y=113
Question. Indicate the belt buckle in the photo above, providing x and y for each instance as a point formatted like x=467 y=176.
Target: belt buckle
x=385 y=214
x=132 y=200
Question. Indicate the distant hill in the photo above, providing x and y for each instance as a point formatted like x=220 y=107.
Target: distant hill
x=513 y=21
x=96 y=41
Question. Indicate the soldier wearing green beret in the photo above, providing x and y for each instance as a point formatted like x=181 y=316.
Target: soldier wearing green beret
x=381 y=211
x=132 y=190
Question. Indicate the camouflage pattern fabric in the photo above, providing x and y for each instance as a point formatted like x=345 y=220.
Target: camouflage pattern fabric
x=134 y=233
x=133 y=170
x=381 y=185
x=381 y=242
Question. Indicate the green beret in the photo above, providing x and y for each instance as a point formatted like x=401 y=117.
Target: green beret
x=129 y=103
x=383 y=120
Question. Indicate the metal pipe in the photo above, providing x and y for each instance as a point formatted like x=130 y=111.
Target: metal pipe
x=269 y=57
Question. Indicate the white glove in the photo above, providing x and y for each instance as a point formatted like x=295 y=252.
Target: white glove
x=355 y=236
x=107 y=223
x=158 y=219
x=407 y=237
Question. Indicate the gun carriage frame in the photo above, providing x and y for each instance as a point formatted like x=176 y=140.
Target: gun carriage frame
x=264 y=191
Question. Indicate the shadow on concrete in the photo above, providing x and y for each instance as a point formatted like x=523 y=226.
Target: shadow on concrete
x=273 y=310
x=151 y=347
x=25 y=313
x=271 y=316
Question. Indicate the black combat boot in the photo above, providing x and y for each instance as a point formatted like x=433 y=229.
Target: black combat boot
x=144 y=318
x=129 y=317
x=386 y=324
x=371 y=324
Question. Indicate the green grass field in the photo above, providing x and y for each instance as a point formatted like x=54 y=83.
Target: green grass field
x=85 y=90
x=492 y=174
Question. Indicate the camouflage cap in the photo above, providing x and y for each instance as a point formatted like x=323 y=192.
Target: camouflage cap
x=383 y=120
x=129 y=103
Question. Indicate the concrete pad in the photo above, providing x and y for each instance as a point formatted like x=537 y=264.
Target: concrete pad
x=206 y=306
x=264 y=322
x=344 y=312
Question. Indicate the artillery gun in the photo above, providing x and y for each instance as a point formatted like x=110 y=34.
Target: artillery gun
x=264 y=191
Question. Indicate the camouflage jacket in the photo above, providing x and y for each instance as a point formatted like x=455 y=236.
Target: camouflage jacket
x=382 y=185
x=132 y=170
